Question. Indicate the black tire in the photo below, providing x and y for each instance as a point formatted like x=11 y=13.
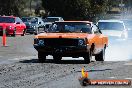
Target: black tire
x=41 y=57
x=37 y=31
x=24 y=32
x=100 y=56
x=57 y=58
x=14 y=33
x=31 y=33
x=87 y=57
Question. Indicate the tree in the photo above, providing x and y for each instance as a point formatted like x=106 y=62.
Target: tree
x=67 y=8
x=74 y=9
x=12 y=7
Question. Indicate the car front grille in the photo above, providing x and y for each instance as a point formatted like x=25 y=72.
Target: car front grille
x=60 y=42
x=28 y=27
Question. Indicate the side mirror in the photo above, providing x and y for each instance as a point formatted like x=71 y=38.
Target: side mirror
x=17 y=22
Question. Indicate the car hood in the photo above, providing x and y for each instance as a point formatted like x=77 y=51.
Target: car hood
x=30 y=24
x=48 y=23
x=27 y=23
x=62 y=35
x=33 y=24
x=116 y=33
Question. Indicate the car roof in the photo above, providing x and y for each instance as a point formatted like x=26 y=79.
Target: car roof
x=9 y=16
x=31 y=17
x=76 y=21
x=111 y=21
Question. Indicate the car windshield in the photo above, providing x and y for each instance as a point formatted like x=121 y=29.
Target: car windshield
x=64 y=27
x=7 y=20
x=110 y=26
x=51 y=19
x=30 y=19
x=26 y=19
x=34 y=20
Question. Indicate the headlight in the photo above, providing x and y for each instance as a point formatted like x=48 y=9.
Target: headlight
x=80 y=42
x=9 y=27
x=33 y=26
x=41 y=42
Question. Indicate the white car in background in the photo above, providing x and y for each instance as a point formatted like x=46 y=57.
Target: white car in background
x=113 y=28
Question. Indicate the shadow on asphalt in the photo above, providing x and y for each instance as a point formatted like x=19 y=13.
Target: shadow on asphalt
x=52 y=61
x=97 y=70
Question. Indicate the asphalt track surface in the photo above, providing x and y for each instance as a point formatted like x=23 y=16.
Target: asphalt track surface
x=19 y=67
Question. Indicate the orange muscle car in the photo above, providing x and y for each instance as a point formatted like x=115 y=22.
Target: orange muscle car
x=71 y=38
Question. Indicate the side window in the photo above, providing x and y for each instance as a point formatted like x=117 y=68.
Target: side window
x=18 y=20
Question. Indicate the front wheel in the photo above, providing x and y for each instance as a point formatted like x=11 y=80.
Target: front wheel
x=41 y=57
x=14 y=33
x=24 y=32
x=100 y=56
x=87 y=57
x=57 y=58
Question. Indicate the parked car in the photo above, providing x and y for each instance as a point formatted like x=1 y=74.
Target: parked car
x=71 y=38
x=33 y=24
x=113 y=28
x=14 y=25
x=49 y=20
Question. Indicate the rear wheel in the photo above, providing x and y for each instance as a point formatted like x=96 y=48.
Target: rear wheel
x=41 y=57
x=100 y=56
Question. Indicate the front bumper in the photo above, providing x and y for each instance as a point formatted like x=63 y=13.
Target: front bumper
x=31 y=30
x=8 y=31
x=61 y=49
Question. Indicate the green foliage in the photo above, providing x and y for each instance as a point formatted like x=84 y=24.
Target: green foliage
x=12 y=7
x=67 y=8
x=74 y=9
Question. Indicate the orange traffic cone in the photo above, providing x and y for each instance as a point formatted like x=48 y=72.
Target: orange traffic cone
x=84 y=80
x=84 y=74
x=4 y=36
